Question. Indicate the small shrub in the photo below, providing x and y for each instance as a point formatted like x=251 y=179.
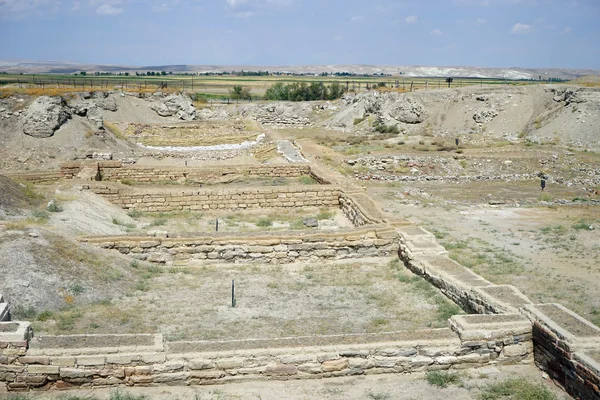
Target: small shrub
x=443 y=378
x=519 y=388
x=134 y=264
x=24 y=313
x=582 y=224
x=116 y=221
x=264 y=222
x=386 y=128
x=53 y=207
x=158 y=222
x=142 y=286
x=45 y=316
x=378 y=395
x=446 y=310
x=325 y=214
x=359 y=120
x=127 y=182
x=76 y=289
x=121 y=395
x=134 y=214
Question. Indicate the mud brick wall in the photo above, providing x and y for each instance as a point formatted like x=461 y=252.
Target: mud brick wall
x=284 y=248
x=85 y=360
x=230 y=199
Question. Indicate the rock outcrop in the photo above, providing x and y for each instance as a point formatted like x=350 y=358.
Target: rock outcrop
x=387 y=108
x=484 y=116
x=44 y=116
x=175 y=105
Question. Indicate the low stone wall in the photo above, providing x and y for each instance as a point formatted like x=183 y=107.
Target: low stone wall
x=566 y=345
x=118 y=171
x=86 y=361
x=35 y=177
x=359 y=208
x=218 y=199
x=204 y=175
x=280 y=248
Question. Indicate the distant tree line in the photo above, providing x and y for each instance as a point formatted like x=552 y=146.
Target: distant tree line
x=304 y=92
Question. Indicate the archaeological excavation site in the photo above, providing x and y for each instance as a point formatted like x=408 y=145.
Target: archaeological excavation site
x=151 y=240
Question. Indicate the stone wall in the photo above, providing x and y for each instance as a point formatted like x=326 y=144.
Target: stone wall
x=205 y=175
x=218 y=199
x=118 y=171
x=359 y=208
x=565 y=344
x=36 y=177
x=567 y=348
x=146 y=360
x=284 y=247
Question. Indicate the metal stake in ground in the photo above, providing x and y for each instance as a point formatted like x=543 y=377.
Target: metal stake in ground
x=233 y=293
x=217 y=225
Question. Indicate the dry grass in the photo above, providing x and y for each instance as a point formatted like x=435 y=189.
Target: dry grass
x=272 y=301
x=115 y=130
x=70 y=91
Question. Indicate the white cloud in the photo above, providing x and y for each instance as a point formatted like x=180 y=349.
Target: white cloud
x=568 y=29
x=21 y=8
x=357 y=18
x=411 y=19
x=259 y=3
x=520 y=29
x=108 y=10
x=245 y=14
x=163 y=7
x=480 y=21
x=436 y=32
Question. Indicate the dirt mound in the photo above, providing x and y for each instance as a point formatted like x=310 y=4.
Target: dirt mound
x=43 y=271
x=564 y=114
x=11 y=194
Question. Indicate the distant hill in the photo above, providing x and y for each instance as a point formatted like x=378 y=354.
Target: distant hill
x=59 y=67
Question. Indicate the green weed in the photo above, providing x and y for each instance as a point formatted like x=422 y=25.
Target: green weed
x=443 y=378
x=519 y=388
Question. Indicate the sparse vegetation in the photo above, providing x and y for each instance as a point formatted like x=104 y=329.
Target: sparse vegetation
x=380 y=128
x=54 y=207
x=115 y=130
x=443 y=378
x=519 y=388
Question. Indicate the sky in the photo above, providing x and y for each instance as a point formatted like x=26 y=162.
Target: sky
x=485 y=33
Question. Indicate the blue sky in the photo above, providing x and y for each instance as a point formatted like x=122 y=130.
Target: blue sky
x=487 y=33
